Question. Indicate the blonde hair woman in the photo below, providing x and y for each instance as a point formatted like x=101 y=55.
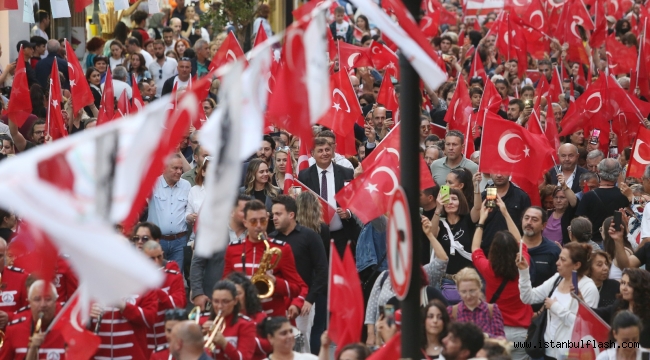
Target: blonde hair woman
x=257 y=183
x=282 y=157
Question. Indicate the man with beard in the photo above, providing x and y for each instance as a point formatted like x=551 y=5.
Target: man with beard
x=462 y=342
x=543 y=252
x=162 y=68
x=36 y=135
x=515 y=199
x=515 y=108
x=265 y=153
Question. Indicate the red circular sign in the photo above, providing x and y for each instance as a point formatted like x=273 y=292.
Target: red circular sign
x=399 y=244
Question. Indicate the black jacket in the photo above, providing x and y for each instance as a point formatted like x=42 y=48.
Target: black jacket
x=348 y=34
x=575 y=187
x=44 y=70
x=168 y=86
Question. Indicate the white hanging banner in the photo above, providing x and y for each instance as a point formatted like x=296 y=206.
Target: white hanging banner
x=121 y=4
x=28 y=12
x=102 y=7
x=154 y=8
x=60 y=9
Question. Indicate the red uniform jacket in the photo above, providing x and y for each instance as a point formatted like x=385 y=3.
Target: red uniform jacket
x=263 y=347
x=125 y=333
x=161 y=353
x=17 y=337
x=65 y=280
x=240 y=337
x=170 y=296
x=288 y=283
x=12 y=288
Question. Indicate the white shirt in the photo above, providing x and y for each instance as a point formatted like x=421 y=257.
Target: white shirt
x=338 y=160
x=180 y=84
x=115 y=62
x=170 y=47
x=119 y=86
x=645 y=223
x=569 y=181
x=336 y=223
x=168 y=204
x=194 y=202
x=342 y=29
x=148 y=59
x=169 y=69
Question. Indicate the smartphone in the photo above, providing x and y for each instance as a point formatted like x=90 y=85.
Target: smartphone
x=381 y=310
x=295 y=190
x=389 y=314
x=618 y=220
x=389 y=114
x=553 y=60
x=595 y=134
x=574 y=279
x=444 y=193
x=421 y=211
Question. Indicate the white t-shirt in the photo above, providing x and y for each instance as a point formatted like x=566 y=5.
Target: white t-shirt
x=161 y=73
x=342 y=29
x=115 y=62
x=298 y=356
x=645 y=223
x=147 y=58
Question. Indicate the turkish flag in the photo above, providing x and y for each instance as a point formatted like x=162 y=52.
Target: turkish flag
x=550 y=130
x=529 y=187
x=288 y=176
x=81 y=343
x=345 y=111
x=592 y=107
x=439 y=14
x=515 y=149
x=229 y=51
x=19 y=110
x=459 y=108
x=303 y=156
x=35 y=249
x=351 y=56
x=587 y=326
x=477 y=69
x=328 y=210
x=536 y=16
x=387 y=95
x=107 y=104
x=55 y=126
x=136 y=97
x=331 y=45
x=429 y=26
x=491 y=99
x=345 y=288
x=516 y=6
x=260 y=37
x=640 y=158
x=426 y=179
x=599 y=35
x=510 y=43
x=357 y=34
x=123 y=107
x=643 y=75
x=382 y=56
x=391 y=350
x=556 y=90
x=81 y=94
x=625 y=58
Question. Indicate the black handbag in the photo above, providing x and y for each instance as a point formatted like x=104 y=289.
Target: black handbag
x=536 y=330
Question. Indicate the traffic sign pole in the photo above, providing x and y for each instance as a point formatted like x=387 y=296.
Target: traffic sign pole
x=409 y=103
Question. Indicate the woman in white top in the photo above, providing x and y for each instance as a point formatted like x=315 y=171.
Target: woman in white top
x=196 y=196
x=279 y=332
x=626 y=330
x=562 y=307
x=117 y=54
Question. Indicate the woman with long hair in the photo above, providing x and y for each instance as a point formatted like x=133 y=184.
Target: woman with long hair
x=461 y=178
x=251 y=307
x=501 y=277
x=237 y=340
x=626 y=330
x=635 y=297
x=555 y=293
x=180 y=47
x=94 y=78
x=294 y=145
x=615 y=243
x=117 y=54
x=137 y=66
x=434 y=328
x=310 y=215
x=282 y=157
x=565 y=202
x=453 y=224
x=580 y=231
x=279 y=332
x=257 y=183
x=599 y=266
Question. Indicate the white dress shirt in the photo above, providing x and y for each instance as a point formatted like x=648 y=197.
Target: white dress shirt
x=194 y=202
x=169 y=68
x=119 y=86
x=336 y=223
x=168 y=205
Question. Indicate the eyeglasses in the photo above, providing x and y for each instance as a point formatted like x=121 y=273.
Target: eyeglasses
x=160 y=74
x=262 y=221
x=136 y=238
x=39 y=132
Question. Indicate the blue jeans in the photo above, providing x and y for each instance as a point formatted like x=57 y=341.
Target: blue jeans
x=173 y=250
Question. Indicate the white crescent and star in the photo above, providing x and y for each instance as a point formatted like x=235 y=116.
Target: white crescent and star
x=636 y=156
x=289 y=53
x=74 y=315
x=428 y=21
x=600 y=102
x=231 y=54
x=337 y=106
x=541 y=17
x=352 y=58
x=373 y=48
x=577 y=20
x=390 y=173
x=503 y=152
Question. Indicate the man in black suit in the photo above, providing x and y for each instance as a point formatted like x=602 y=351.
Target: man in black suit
x=44 y=67
x=568 y=154
x=326 y=178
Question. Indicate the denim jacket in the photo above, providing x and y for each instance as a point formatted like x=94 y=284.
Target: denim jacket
x=371 y=245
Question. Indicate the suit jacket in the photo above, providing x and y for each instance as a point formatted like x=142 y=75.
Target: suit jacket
x=575 y=187
x=310 y=177
x=168 y=86
x=44 y=70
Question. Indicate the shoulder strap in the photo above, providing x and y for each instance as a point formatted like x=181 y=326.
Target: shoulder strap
x=557 y=282
x=490 y=309
x=383 y=280
x=496 y=295
x=454 y=312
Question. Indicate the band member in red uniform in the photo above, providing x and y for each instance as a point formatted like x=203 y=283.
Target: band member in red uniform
x=172 y=317
x=119 y=338
x=250 y=306
x=237 y=340
x=171 y=295
x=245 y=256
x=23 y=340
x=13 y=291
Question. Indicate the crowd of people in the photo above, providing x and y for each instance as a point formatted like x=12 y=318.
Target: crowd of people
x=491 y=265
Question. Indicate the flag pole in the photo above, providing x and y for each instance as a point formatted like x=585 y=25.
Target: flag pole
x=333 y=252
x=410 y=164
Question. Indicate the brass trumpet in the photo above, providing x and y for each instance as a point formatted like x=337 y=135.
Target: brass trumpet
x=218 y=326
x=265 y=287
x=39 y=323
x=195 y=315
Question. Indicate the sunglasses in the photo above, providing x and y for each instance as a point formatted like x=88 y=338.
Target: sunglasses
x=256 y=222
x=136 y=238
x=160 y=74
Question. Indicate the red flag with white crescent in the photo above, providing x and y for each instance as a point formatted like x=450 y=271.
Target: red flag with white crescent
x=136 y=98
x=18 y=111
x=588 y=327
x=55 y=126
x=229 y=51
x=81 y=94
x=81 y=343
x=640 y=155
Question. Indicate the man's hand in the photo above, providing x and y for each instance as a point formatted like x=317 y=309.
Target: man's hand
x=293 y=312
x=96 y=311
x=4 y=319
x=200 y=301
x=370 y=133
x=306 y=308
x=36 y=340
x=343 y=213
